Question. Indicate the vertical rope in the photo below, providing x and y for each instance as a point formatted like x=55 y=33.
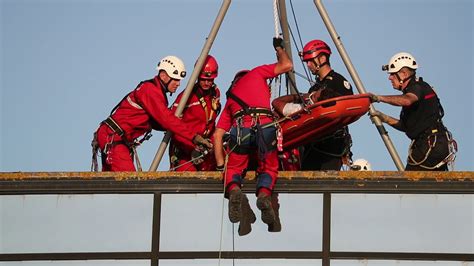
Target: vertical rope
x=276 y=18
x=222 y=209
x=309 y=77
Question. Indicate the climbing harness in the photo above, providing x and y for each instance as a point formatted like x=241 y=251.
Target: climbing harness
x=115 y=127
x=432 y=139
x=132 y=146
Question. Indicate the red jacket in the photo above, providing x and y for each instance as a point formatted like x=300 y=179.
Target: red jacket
x=200 y=112
x=254 y=91
x=146 y=108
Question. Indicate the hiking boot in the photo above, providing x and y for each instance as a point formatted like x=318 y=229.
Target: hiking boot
x=264 y=203
x=235 y=201
x=248 y=217
x=276 y=226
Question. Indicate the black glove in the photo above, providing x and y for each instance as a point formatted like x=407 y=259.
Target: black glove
x=278 y=42
x=197 y=156
x=220 y=168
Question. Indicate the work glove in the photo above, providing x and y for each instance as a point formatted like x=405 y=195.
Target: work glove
x=383 y=117
x=199 y=140
x=278 y=42
x=373 y=98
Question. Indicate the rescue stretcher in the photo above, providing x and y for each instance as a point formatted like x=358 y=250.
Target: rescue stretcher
x=322 y=118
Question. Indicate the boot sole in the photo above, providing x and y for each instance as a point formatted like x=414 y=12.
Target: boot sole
x=268 y=215
x=235 y=210
x=248 y=218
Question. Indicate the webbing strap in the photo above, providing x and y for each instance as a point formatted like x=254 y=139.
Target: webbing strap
x=242 y=104
x=114 y=126
x=254 y=112
x=246 y=109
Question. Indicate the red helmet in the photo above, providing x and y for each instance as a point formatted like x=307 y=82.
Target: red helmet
x=314 y=48
x=210 y=68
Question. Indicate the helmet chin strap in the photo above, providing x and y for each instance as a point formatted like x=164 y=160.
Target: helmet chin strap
x=319 y=66
x=401 y=81
x=165 y=85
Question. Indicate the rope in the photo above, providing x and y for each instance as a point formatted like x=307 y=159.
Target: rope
x=308 y=76
x=190 y=161
x=276 y=18
x=222 y=209
x=296 y=24
x=311 y=82
x=233 y=244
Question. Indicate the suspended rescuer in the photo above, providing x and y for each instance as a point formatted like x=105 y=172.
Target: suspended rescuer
x=329 y=152
x=248 y=117
x=143 y=109
x=199 y=115
x=432 y=146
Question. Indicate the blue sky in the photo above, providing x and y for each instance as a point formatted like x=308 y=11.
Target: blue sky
x=64 y=64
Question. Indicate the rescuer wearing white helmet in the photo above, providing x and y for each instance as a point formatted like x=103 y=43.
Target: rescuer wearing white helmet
x=361 y=165
x=171 y=71
x=143 y=109
x=432 y=147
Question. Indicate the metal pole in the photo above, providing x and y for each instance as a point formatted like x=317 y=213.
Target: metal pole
x=360 y=87
x=286 y=38
x=189 y=87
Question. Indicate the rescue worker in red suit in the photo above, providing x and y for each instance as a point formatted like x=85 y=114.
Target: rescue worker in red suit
x=432 y=147
x=329 y=152
x=143 y=109
x=199 y=115
x=247 y=109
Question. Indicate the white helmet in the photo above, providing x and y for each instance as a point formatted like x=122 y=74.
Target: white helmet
x=361 y=165
x=400 y=60
x=173 y=66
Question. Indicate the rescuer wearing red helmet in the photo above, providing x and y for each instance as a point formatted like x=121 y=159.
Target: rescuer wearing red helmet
x=432 y=147
x=246 y=111
x=329 y=152
x=143 y=109
x=200 y=113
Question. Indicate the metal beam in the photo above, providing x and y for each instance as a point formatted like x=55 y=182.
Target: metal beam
x=326 y=259
x=210 y=182
x=241 y=255
x=155 y=232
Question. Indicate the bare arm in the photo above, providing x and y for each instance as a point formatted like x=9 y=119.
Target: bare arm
x=218 y=146
x=393 y=122
x=284 y=63
x=399 y=100
x=280 y=102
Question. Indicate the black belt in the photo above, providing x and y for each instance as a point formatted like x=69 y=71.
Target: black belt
x=114 y=126
x=253 y=112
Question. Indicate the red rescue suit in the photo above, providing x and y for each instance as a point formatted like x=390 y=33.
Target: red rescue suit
x=199 y=115
x=252 y=89
x=142 y=110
